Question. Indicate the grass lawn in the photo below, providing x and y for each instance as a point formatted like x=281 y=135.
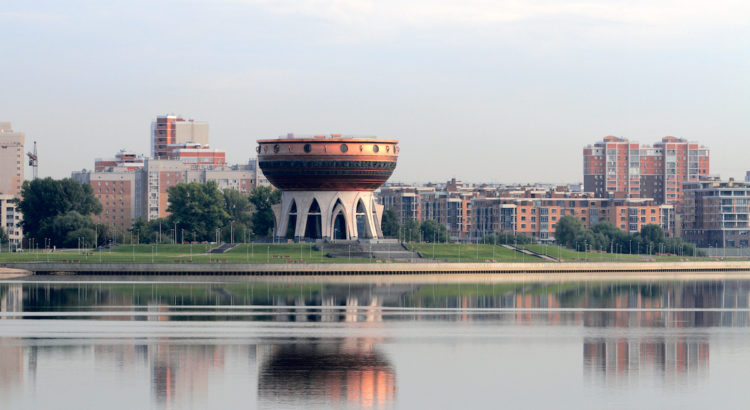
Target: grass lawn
x=244 y=253
x=470 y=253
x=306 y=253
x=569 y=255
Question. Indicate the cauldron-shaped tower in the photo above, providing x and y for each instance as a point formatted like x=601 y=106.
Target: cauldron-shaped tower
x=327 y=184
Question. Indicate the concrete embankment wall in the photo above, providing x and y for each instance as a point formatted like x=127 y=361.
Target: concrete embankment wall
x=377 y=269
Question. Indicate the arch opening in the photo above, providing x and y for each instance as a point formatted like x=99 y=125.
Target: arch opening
x=314 y=221
x=361 y=219
x=339 y=226
x=291 y=223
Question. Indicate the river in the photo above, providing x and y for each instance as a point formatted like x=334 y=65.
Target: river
x=456 y=342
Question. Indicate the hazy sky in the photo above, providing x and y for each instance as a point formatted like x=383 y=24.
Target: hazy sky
x=496 y=91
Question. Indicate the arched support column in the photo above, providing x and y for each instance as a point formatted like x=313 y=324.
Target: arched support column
x=331 y=203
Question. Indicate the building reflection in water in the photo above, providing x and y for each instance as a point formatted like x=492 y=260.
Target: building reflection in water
x=347 y=372
x=618 y=359
x=180 y=373
x=630 y=329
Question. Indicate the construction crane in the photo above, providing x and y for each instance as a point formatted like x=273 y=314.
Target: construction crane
x=34 y=161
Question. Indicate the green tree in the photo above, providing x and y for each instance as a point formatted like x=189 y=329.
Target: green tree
x=389 y=224
x=43 y=200
x=3 y=236
x=106 y=234
x=263 y=220
x=149 y=231
x=144 y=230
x=69 y=230
x=652 y=233
x=434 y=231
x=507 y=238
x=567 y=229
x=240 y=211
x=410 y=232
x=606 y=237
x=197 y=209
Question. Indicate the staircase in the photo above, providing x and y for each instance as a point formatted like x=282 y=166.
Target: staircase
x=531 y=253
x=369 y=249
x=224 y=247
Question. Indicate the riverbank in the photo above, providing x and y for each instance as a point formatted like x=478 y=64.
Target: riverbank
x=309 y=253
x=219 y=269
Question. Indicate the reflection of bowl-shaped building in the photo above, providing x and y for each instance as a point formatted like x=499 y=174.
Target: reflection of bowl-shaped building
x=327 y=184
x=332 y=373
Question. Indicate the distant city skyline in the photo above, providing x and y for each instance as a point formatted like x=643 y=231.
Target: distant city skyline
x=481 y=91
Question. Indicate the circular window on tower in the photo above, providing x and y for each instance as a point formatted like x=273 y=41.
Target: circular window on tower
x=308 y=148
x=276 y=149
x=344 y=148
x=375 y=148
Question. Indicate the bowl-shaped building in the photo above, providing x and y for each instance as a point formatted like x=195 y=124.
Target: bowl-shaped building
x=327 y=184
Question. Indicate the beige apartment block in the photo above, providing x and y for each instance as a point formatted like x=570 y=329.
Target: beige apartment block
x=11 y=159
x=10 y=217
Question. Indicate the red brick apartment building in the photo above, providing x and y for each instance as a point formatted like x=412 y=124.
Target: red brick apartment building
x=538 y=217
x=618 y=168
x=169 y=130
x=124 y=160
x=449 y=204
x=470 y=212
x=119 y=192
x=197 y=156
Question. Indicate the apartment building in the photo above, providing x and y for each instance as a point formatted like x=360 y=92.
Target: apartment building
x=126 y=160
x=449 y=204
x=197 y=156
x=171 y=130
x=716 y=214
x=10 y=217
x=160 y=175
x=470 y=212
x=618 y=168
x=11 y=159
x=120 y=191
x=538 y=217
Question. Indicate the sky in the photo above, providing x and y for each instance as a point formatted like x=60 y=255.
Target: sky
x=480 y=90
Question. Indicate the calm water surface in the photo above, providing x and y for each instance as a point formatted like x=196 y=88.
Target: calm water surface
x=255 y=343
